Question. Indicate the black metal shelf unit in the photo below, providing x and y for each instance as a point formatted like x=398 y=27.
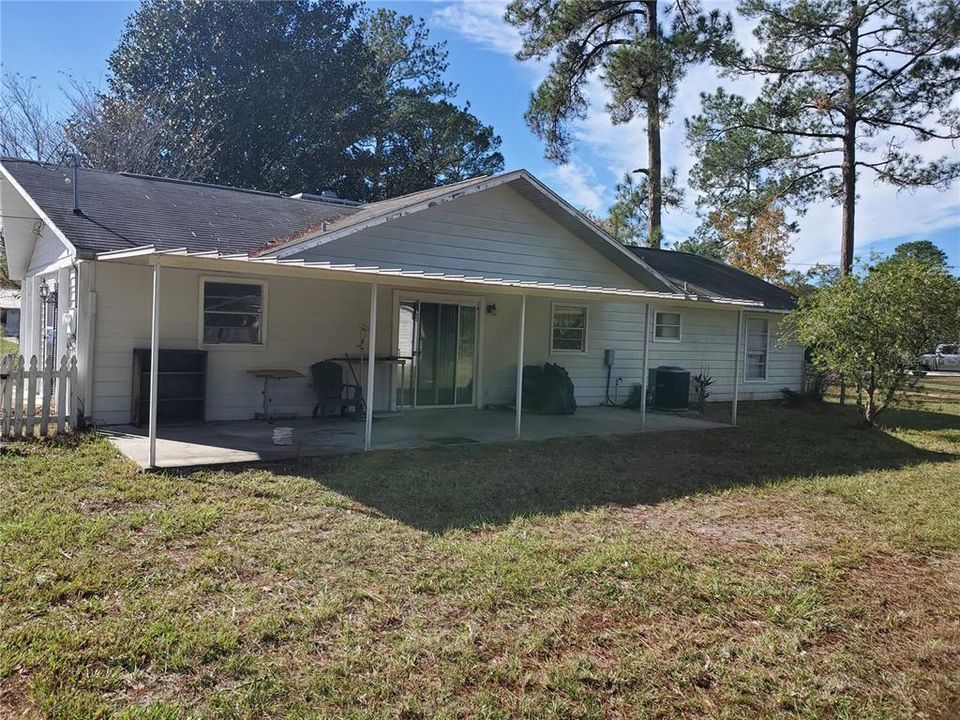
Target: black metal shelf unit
x=181 y=386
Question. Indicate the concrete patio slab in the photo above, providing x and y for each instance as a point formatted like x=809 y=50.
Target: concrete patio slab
x=221 y=443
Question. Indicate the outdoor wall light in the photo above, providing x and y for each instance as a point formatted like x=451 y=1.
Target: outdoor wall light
x=492 y=309
x=46 y=294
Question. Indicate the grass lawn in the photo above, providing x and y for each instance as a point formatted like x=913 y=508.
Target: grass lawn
x=8 y=345
x=799 y=566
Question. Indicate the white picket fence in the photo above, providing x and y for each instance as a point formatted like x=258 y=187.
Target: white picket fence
x=32 y=398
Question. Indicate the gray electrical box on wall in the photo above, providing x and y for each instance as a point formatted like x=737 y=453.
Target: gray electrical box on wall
x=608 y=357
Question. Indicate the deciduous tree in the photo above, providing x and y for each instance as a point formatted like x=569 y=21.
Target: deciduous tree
x=133 y=136
x=290 y=97
x=27 y=127
x=924 y=251
x=871 y=328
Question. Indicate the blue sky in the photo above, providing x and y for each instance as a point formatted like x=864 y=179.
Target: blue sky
x=53 y=40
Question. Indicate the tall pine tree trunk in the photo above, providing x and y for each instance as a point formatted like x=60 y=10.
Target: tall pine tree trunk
x=849 y=170
x=654 y=176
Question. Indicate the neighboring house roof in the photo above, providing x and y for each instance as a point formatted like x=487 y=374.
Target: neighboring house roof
x=123 y=211
x=708 y=277
x=9 y=299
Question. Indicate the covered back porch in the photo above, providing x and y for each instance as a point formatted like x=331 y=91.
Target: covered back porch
x=306 y=312
x=221 y=443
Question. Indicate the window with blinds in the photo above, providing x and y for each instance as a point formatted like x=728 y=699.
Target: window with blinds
x=568 y=331
x=232 y=313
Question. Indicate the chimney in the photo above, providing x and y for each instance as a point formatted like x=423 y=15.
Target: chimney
x=76 y=184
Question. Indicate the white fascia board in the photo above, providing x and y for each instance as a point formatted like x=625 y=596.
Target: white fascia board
x=143 y=250
x=71 y=249
x=271 y=265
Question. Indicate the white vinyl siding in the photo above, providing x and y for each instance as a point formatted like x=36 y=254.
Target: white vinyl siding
x=296 y=339
x=757 y=348
x=568 y=328
x=496 y=234
x=48 y=252
x=666 y=327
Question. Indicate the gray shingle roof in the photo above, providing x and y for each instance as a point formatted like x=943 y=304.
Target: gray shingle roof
x=126 y=211
x=712 y=278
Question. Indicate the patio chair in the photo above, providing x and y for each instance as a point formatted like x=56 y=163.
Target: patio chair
x=332 y=391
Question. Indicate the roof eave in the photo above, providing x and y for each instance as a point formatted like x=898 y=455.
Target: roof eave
x=213 y=261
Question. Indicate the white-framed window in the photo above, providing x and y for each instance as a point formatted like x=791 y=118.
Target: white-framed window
x=757 y=349
x=568 y=328
x=232 y=312
x=666 y=326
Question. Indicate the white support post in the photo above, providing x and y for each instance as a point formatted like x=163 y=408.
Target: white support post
x=523 y=324
x=371 y=367
x=646 y=360
x=736 y=369
x=154 y=364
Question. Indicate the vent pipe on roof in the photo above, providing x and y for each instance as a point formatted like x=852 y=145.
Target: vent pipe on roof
x=76 y=184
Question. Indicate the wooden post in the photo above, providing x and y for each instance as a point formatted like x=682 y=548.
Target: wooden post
x=46 y=396
x=7 y=364
x=644 y=390
x=520 y=337
x=74 y=395
x=154 y=366
x=371 y=368
x=736 y=369
x=62 y=376
x=31 y=409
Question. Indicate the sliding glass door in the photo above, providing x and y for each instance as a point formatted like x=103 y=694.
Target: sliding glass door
x=442 y=340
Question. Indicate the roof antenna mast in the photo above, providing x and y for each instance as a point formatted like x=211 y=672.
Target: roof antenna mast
x=76 y=184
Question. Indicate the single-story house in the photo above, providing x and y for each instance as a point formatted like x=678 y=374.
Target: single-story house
x=449 y=291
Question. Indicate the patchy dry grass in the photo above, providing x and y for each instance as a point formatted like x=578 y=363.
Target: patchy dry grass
x=800 y=566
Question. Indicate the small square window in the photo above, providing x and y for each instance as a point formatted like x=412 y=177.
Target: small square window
x=568 y=331
x=666 y=326
x=232 y=313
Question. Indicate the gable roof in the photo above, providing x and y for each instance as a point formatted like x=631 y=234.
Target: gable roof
x=125 y=212
x=712 y=278
x=121 y=211
x=521 y=181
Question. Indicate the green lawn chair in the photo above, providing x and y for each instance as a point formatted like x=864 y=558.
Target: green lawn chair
x=332 y=391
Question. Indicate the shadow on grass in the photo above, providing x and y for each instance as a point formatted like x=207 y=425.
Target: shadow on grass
x=915 y=419
x=440 y=489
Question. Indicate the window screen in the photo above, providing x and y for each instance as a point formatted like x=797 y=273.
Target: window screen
x=758 y=331
x=569 y=328
x=232 y=313
x=667 y=326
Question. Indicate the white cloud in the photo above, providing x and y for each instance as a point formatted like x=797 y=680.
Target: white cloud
x=605 y=151
x=882 y=214
x=481 y=22
x=578 y=183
